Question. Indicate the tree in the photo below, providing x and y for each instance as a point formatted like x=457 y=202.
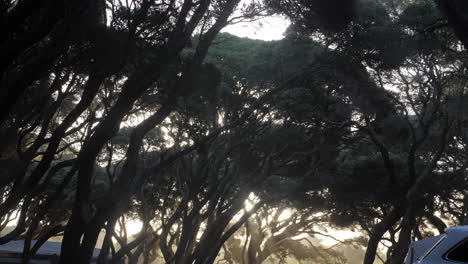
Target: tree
x=146 y=112
x=387 y=39
x=272 y=233
x=148 y=37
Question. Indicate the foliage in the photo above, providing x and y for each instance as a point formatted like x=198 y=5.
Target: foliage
x=356 y=119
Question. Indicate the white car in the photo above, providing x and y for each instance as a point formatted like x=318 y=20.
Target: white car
x=449 y=248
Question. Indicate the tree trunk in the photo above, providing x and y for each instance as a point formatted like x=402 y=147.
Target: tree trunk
x=90 y=237
x=378 y=231
x=465 y=209
x=103 y=257
x=404 y=238
x=436 y=222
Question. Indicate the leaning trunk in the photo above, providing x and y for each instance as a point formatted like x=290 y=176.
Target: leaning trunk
x=378 y=232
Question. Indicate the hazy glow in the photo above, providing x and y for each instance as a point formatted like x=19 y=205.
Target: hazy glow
x=133 y=226
x=338 y=234
x=271 y=28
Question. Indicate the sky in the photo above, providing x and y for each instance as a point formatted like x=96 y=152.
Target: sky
x=267 y=28
x=270 y=28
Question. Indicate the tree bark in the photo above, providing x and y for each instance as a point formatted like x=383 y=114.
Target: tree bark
x=404 y=238
x=378 y=231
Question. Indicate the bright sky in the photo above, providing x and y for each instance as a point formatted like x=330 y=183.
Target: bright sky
x=270 y=28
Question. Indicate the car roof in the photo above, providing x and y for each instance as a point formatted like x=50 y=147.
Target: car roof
x=48 y=248
x=452 y=237
x=422 y=246
x=463 y=229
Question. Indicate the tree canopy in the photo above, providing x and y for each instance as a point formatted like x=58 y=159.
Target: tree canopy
x=229 y=149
